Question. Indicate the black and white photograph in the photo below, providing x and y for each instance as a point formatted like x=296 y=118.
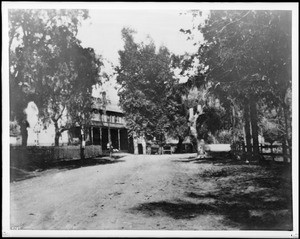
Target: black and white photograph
x=149 y=119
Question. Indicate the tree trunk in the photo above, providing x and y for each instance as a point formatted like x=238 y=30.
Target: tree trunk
x=198 y=144
x=179 y=144
x=200 y=147
x=82 y=143
x=24 y=125
x=56 y=143
x=254 y=127
x=57 y=134
x=144 y=145
x=193 y=129
x=247 y=129
x=135 y=144
x=82 y=157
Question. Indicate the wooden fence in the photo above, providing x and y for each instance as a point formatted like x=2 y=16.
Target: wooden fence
x=42 y=156
x=272 y=151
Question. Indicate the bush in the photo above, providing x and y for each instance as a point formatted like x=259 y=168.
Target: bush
x=224 y=137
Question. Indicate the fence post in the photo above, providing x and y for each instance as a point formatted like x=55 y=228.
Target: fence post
x=260 y=148
x=284 y=151
x=243 y=147
x=272 y=154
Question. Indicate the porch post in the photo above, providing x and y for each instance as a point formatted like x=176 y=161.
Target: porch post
x=109 y=136
x=119 y=139
x=92 y=135
x=100 y=132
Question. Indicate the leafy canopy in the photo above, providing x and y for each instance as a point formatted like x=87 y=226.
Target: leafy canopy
x=50 y=67
x=148 y=89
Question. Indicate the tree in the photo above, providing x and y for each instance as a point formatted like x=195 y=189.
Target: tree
x=48 y=65
x=177 y=115
x=147 y=89
x=206 y=118
x=69 y=90
x=248 y=54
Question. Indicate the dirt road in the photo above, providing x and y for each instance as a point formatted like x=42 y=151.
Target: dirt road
x=144 y=192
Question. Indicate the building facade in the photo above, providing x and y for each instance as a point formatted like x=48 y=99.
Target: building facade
x=108 y=125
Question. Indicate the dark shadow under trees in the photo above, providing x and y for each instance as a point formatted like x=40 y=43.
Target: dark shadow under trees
x=17 y=174
x=248 y=197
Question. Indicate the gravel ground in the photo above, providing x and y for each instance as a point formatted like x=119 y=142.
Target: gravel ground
x=153 y=192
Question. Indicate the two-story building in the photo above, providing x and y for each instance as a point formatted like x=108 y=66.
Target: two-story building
x=108 y=125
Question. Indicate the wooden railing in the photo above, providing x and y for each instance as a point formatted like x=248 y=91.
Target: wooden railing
x=266 y=150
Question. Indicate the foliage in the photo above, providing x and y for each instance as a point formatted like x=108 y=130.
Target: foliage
x=49 y=66
x=14 y=129
x=148 y=89
x=225 y=137
x=272 y=124
x=210 y=122
x=33 y=40
x=247 y=51
x=247 y=55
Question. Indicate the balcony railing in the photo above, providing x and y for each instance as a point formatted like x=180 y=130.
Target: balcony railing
x=108 y=120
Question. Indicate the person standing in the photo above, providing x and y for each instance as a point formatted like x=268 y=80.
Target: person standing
x=110 y=148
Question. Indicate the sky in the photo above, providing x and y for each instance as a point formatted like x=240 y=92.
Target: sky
x=102 y=31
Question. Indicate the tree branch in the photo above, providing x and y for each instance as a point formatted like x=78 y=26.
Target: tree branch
x=234 y=21
x=64 y=129
x=59 y=116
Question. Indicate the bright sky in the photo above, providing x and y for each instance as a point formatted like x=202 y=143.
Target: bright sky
x=102 y=31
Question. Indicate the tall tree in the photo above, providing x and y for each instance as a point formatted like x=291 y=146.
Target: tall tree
x=69 y=90
x=47 y=63
x=147 y=87
x=248 y=54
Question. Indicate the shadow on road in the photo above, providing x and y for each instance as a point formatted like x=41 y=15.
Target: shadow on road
x=246 y=197
x=17 y=174
x=247 y=212
x=177 y=209
x=226 y=161
x=73 y=164
x=220 y=161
